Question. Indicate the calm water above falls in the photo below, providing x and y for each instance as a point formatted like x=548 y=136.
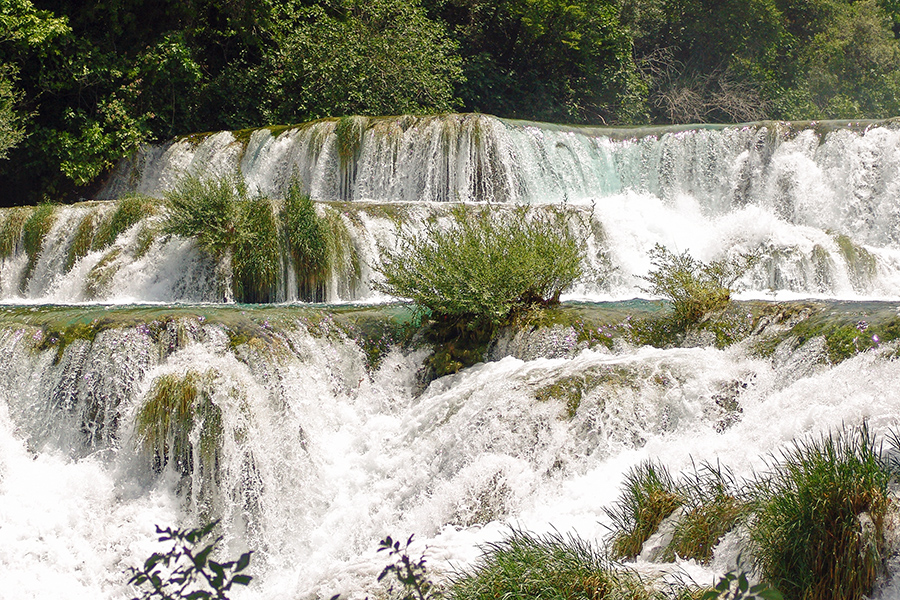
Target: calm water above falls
x=324 y=450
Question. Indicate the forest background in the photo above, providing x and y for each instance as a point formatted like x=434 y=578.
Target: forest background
x=84 y=83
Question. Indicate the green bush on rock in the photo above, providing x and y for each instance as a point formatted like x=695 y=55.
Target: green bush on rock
x=482 y=267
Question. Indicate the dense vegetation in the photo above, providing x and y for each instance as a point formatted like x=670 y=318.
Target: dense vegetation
x=82 y=84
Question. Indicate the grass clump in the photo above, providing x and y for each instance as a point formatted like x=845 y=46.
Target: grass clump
x=81 y=243
x=650 y=496
x=526 y=566
x=255 y=258
x=206 y=210
x=179 y=425
x=818 y=531
x=11 y=230
x=713 y=507
x=129 y=210
x=693 y=287
x=34 y=230
x=308 y=243
x=481 y=268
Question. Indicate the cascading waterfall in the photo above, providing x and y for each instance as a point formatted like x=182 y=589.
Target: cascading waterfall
x=316 y=430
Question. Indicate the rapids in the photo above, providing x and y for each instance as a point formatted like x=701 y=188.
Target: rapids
x=329 y=437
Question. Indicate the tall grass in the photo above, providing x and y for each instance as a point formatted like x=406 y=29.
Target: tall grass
x=255 y=259
x=129 y=210
x=11 y=230
x=650 y=495
x=308 y=242
x=527 y=566
x=818 y=531
x=34 y=231
x=206 y=210
x=484 y=266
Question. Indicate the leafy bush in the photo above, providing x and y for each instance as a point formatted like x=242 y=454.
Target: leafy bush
x=411 y=574
x=735 y=586
x=818 y=532
x=483 y=267
x=694 y=287
x=650 y=496
x=307 y=241
x=186 y=572
x=526 y=566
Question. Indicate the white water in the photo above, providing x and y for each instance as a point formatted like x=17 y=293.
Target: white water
x=321 y=458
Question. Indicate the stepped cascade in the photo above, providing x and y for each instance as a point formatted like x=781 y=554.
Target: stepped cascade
x=313 y=426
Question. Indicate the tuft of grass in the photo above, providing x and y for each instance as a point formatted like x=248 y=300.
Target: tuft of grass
x=82 y=241
x=178 y=424
x=207 y=210
x=34 y=230
x=526 y=566
x=483 y=267
x=101 y=275
x=650 y=496
x=693 y=287
x=255 y=259
x=11 y=230
x=714 y=506
x=818 y=531
x=129 y=210
x=308 y=243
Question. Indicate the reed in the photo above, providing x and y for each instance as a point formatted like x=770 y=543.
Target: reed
x=255 y=258
x=308 y=242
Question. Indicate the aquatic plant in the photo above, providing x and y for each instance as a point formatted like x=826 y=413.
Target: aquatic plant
x=525 y=566
x=693 y=287
x=818 y=532
x=82 y=240
x=650 y=495
x=255 y=257
x=11 y=230
x=713 y=506
x=129 y=210
x=185 y=571
x=308 y=242
x=34 y=230
x=165 y=423
x=482 y=267
x=207 y=210
x=101 y=275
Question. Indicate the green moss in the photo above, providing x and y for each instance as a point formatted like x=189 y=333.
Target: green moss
x=101 y=275
x=860 y=262
x=129 y=211
x=572 y=389
x=349 y=132
x=255 y=258
x=11 y=230
x=34 y=231
x=60 y=338
x=82 y=240
x=146 y=236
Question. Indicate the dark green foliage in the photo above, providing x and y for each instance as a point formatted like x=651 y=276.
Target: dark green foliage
x=11 y=230
x=694 y=288
x=818 y=531
x=410 y=574
x=186 y=571
x=308 y=242
x=735 y=586
x=482 y=267
x=525 y=566
x=255 y=258
x=650 y=496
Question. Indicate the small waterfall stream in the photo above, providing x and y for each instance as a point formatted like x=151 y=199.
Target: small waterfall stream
x=322 y=432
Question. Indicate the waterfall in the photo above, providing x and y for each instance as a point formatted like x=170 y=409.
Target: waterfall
x=316 y=428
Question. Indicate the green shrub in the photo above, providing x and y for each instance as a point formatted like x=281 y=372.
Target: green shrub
x=484 y=266
x=129 y=210
x=528 y=567
x=713 y=507
x=650 y=496
x=735 y=586
x=186 y=571
x=207 y=210
x=255 y=258
x=307 y=241
x=818 y=531
x=693 y=287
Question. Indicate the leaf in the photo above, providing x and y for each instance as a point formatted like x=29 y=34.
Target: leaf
x=200 y=559
x=241 y=579
x=242 y=563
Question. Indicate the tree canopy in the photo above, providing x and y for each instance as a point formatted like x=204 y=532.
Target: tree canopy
x=83 y=84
